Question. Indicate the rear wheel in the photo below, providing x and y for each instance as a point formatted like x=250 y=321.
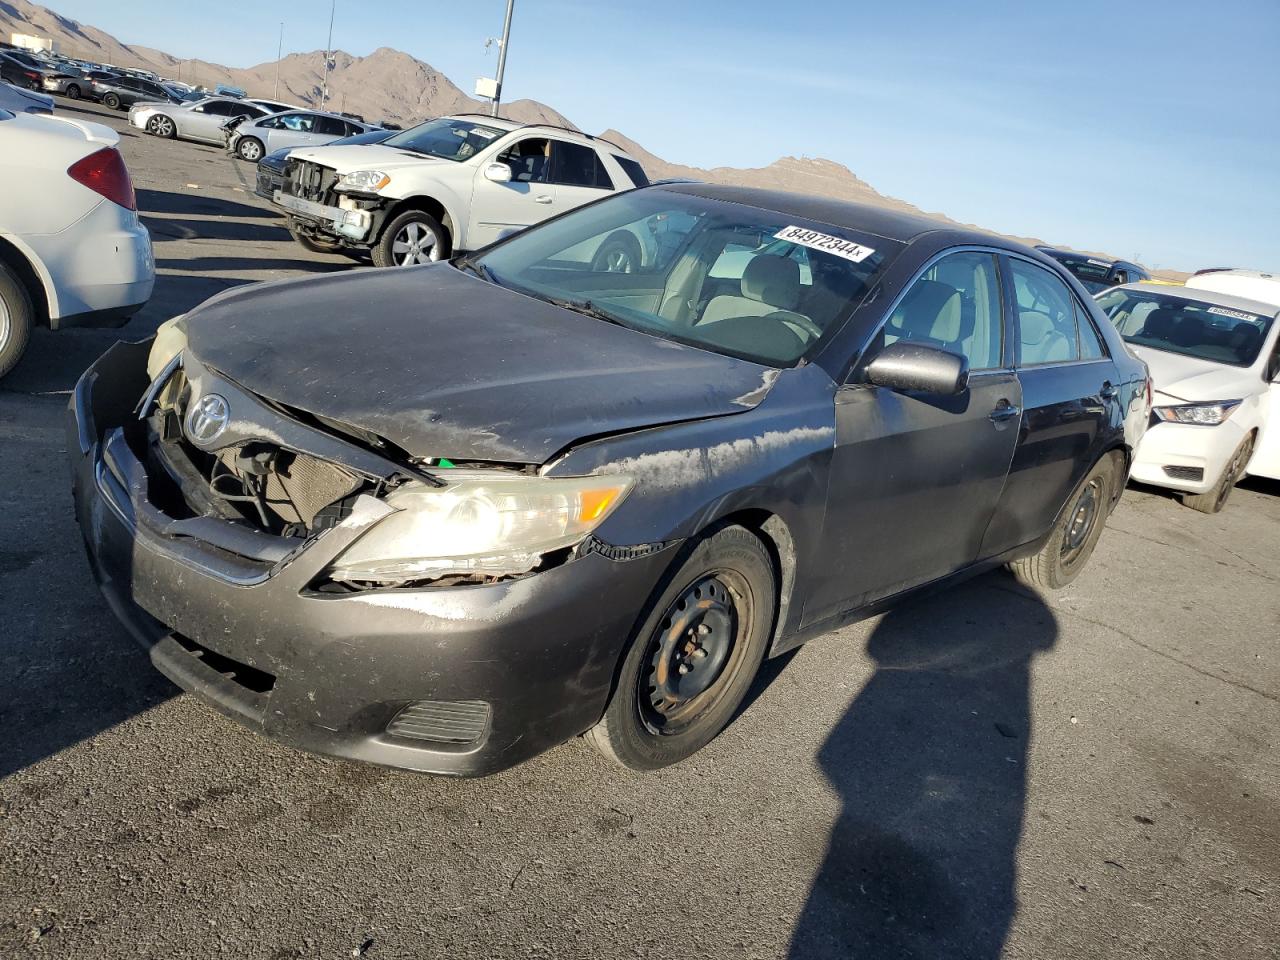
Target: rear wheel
x=1075 y=534
x=412 y=238
x=1215 y=499
x=249 y=148
x=112 y=101
x=693 y=659
x=16 y=317
x=161 y=126
x=73 y=91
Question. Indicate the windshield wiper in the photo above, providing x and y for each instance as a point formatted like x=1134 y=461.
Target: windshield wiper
x=479 y=269
x=584 y=307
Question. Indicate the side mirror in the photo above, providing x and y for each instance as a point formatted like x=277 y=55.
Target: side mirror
x=913 y=366
x=498 y=173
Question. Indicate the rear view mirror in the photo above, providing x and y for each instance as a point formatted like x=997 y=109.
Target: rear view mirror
x=913 y=366
x=498 y=173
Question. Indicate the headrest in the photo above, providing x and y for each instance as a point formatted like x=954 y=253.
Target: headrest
x=772 y=279
x=1160 y=323
x=1036 y=327
x=931 y=310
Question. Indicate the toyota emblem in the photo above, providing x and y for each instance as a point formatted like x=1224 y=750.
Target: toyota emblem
x=208 y=418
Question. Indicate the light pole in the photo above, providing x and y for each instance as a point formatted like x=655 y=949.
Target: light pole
x=328 y=57
x=275 y=95
x=502 y=58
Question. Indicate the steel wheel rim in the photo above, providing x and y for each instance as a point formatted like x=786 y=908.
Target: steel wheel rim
x=1084 y=516
x=695 y=652
x=415 y=243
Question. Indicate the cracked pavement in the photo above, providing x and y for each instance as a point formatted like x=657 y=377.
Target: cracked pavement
x=984 y=772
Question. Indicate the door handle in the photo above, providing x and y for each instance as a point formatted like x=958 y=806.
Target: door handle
x=1108 y=391
x=1004 y=411
x=542 y=199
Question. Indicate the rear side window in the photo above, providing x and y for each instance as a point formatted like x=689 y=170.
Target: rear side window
x=575 y=165
x=1046 y=316
x=331 y=126
x=633 y=170
x=1091 y=347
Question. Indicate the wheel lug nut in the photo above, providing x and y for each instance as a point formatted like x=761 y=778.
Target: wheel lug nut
x=699 y=653
x=703 y=629
x=683 y=669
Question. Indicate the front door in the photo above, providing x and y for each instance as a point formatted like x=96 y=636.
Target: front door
x=526 y=199
x=915 y=477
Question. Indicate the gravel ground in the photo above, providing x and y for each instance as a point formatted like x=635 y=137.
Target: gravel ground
x=986 y=772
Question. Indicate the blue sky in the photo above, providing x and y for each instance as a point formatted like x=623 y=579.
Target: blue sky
x=1143 y=128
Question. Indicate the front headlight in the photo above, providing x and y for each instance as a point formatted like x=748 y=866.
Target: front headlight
x=364 y=181
x=485 y=523
x=171 y=340
x=1200 y=414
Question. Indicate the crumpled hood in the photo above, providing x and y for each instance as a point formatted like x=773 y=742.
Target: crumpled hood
x=1190 y=380
x=348 y=157
x=444 y=364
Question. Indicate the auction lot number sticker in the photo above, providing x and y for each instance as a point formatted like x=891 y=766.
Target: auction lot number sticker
x=825 y=243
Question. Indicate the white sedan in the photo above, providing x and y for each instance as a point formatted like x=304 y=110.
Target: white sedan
x=72 y=250
x=1215 y=368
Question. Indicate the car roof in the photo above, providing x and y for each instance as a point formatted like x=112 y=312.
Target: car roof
x=1205 y=296
x=881 y=221
x=566 y=133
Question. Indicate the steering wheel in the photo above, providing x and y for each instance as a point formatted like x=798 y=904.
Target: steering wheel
x=791 y=319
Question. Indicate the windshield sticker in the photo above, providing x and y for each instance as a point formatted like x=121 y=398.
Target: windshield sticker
x=481 y=132
x=1234 y=314
x=1098 y=263
x=825 y=243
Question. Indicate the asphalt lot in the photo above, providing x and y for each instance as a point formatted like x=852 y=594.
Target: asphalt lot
x=986 y=772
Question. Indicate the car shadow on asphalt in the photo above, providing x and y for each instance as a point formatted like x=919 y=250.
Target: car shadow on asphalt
x=195 y=204
x=929 y=762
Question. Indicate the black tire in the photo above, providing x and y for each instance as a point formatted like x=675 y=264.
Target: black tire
x=620 y=253
x=112 y=102
x=162 y=126
x=313 y=244
x=715 y=615
x=16 y=317
x=250 y=149
x=1075 y=533
x=1214 y=500
x=412 y=238
x=73 y=91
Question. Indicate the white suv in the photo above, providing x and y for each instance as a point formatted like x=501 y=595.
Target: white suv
x=447 y=185
x=72 y=250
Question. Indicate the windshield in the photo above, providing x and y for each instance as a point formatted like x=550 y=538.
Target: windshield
x=1190 y=327
x=726 y=277
x=446 y=138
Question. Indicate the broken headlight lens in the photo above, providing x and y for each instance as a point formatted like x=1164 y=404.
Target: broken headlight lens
x=483 y=523
x=170 y=340
x=1201 y=414
x=363 y=181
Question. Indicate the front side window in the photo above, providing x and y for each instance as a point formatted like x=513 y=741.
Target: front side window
x=529 y=160
x=298 y=122
x=1194 y=328
x=954 y=306
x=1046 y=316
x=446 y=138
x=666 y=244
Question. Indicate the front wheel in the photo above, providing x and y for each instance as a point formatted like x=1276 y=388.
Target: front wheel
x=112 y=101
x=1075 y=534
x=1214 y=500
x=161 y=126
x=695 y=655
x=249 y=148
x=412 y=238
x=313 y=244
x=620 y=253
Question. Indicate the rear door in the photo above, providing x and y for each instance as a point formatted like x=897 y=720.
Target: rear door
x=915 y=478
x=579 y=175
x=1068 y=398
x=328 y=129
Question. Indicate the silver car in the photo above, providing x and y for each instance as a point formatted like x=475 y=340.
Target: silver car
x=201 y=120
x=298 y=128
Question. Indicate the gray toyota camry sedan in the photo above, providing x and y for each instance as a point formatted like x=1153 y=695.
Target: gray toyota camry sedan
x=446 y=517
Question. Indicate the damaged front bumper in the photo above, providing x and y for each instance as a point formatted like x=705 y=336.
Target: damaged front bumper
x=463 y=680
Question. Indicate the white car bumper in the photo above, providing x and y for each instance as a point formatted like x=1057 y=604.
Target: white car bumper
x=1185 y=456
x=102 y=268
x=138 y=116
